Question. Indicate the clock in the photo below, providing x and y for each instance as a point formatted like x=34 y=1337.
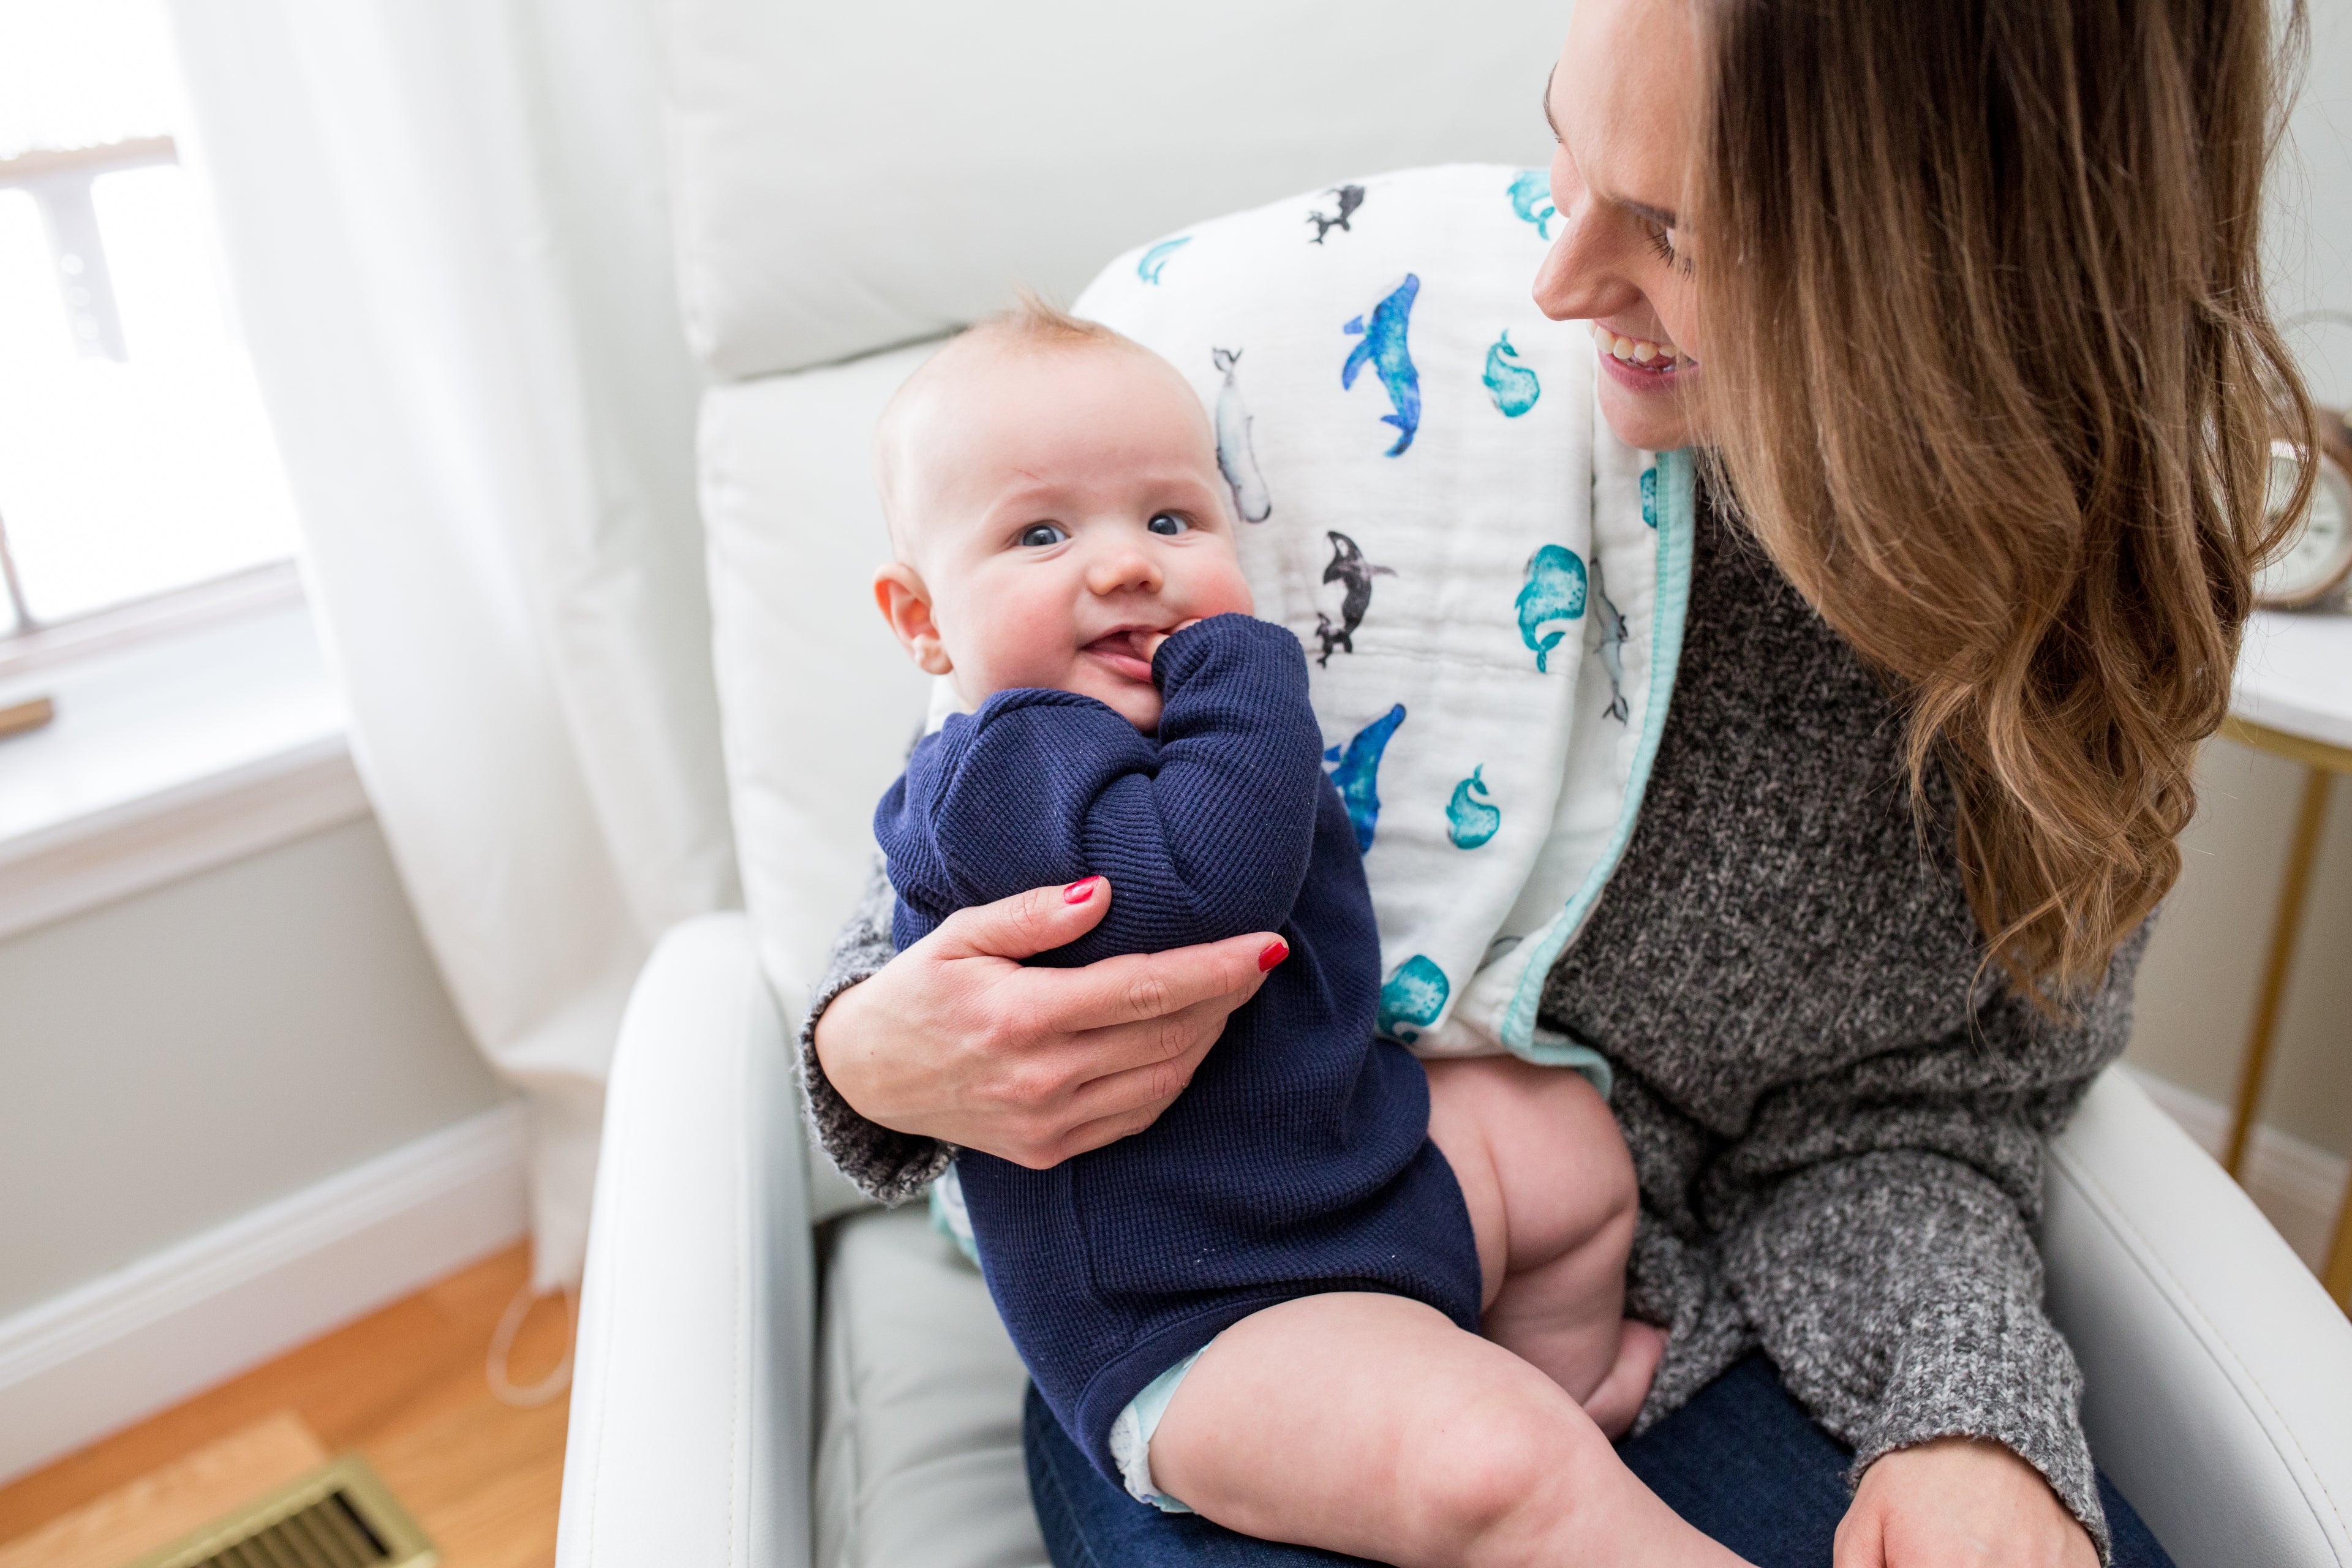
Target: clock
x=2317 y=556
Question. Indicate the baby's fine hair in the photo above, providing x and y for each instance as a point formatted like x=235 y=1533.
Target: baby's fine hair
x=1033 y=320
x=1030 y=323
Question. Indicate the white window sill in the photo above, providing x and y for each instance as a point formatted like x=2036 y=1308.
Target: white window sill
x=170 y=755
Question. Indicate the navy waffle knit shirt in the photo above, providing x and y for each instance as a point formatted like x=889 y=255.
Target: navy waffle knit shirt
x=1298 y=1159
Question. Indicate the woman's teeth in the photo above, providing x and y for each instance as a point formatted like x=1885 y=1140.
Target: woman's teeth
x=1638 y=352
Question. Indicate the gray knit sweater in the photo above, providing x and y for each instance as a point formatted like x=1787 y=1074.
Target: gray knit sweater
x=1836 y=1115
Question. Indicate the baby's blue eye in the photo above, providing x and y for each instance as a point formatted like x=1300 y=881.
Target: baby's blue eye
x=1168 y=522
x=1039 y=535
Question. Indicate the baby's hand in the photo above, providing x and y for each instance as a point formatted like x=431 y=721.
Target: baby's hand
x=1151 y=641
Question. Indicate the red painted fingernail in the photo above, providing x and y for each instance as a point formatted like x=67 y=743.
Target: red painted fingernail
x=1276 y=952
x=1080 y=891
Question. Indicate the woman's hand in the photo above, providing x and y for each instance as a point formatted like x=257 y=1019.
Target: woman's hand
x=1959 y=1502
x=955 y=1039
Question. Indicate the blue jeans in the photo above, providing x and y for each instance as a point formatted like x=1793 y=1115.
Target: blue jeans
x=1742 y=1461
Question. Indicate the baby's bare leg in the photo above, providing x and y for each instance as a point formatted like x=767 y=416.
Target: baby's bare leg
x=1552 y=1199
x=1370 y=1425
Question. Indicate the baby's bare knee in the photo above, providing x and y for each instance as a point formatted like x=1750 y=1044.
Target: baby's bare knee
x=1500 y=1475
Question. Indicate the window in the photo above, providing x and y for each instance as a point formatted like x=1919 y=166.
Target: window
x=135 y=460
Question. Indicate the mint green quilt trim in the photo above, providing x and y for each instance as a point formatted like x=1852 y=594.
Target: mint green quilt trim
x=1551 y=1049
x=1676 y=524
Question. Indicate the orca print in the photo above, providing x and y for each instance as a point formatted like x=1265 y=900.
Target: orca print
x=1354 y=574
x=1351 y=198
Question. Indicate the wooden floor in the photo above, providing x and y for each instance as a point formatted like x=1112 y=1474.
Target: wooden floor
x=404 y=1387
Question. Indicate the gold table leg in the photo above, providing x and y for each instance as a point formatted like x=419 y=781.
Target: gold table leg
x=2303 y=851
x=2338 y=1275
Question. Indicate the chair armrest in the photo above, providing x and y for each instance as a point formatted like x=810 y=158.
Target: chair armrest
x=690 y=1439
x=2218 y=1374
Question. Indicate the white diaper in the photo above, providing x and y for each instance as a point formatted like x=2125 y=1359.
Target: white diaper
x=1131 y=1435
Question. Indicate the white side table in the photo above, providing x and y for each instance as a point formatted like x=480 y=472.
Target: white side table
x=2293 y=697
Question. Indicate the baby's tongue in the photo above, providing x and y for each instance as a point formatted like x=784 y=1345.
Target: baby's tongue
x=1124 y=652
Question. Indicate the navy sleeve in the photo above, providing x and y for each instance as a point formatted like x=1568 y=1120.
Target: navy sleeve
x=1204 y=831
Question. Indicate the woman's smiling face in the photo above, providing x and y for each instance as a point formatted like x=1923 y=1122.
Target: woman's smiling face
x=1622 y=107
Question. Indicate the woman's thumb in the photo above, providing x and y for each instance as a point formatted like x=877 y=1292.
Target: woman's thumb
x=1026 y=923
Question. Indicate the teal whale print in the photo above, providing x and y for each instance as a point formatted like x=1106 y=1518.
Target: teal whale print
x=1554 y=592
x=1385 y=350
x=1236 y=457
x=1531 y=199
x=1650 y=496
x=1512 y=385
x=1148 y=269
x=1357 y=774
x=1471 y=817
x=1411 y=1000
x=1611 y=626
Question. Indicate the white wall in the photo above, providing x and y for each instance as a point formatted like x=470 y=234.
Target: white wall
x=2310 y=232
x=175 y=1060
x=2198 y=985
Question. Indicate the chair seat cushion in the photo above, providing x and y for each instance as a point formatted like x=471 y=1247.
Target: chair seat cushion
x=919 y=1400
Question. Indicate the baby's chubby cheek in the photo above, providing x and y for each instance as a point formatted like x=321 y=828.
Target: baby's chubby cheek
x=1212 y=584
x=1017 y=647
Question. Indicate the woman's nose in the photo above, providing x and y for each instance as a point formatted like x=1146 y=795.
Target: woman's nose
x=1579 y=280
x=1123 y=568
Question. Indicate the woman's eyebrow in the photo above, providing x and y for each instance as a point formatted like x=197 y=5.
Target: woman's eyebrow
x=1659 y=215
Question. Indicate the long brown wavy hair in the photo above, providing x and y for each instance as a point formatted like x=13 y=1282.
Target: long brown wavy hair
x=1995 y=384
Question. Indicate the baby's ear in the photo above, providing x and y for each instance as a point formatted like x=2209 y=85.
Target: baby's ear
x=906 y=603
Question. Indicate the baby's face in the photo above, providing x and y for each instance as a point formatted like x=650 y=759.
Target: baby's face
x=1059 y=510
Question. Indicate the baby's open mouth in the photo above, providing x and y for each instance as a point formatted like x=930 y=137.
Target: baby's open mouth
x=1123 y=651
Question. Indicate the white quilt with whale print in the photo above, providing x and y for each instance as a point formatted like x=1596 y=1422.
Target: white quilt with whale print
x=1488 y=584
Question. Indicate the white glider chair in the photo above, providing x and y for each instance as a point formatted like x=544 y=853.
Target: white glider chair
x=755 y=1385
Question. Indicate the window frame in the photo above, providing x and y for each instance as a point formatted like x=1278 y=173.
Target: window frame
x=59 y=180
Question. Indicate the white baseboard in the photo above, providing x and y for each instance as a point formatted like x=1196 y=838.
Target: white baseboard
x=134 y=1341
x=2296 y=1185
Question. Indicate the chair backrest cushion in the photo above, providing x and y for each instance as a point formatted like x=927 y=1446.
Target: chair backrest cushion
x=846 y=178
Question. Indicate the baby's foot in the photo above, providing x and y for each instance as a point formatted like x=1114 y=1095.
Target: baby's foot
x=1614 y=1405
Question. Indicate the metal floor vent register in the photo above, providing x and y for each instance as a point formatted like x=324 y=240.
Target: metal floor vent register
x=341 y=1515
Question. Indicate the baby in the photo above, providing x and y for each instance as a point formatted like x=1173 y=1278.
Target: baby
x=1331 y=1296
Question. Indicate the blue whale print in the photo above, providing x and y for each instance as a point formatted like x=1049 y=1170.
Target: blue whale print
x=1512 y=385
x=1384 y=348
x=1471 y=817
x=1148 y=269
x=1357 y=774
x=1411 y=1000
x=1531 y=199
x=1612 y=623
x=1554 y=592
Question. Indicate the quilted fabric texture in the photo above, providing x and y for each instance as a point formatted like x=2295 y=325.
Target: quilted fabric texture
x=1431 y=503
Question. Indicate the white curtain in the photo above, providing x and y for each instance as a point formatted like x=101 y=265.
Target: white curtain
x=448 y=242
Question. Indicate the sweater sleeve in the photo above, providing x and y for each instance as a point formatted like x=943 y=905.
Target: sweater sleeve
x=1884 y=1252
x=883 y=1163
x=1900 y=1295
x=1204 y=832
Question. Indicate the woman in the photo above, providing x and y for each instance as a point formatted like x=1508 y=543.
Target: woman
x=1969 y=328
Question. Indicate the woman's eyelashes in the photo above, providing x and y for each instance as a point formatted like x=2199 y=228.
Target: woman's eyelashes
x=1040 y=535
x=1661 y=240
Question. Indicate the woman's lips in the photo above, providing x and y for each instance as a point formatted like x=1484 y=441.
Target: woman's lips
x=1123 y=652
x=1639 y=364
